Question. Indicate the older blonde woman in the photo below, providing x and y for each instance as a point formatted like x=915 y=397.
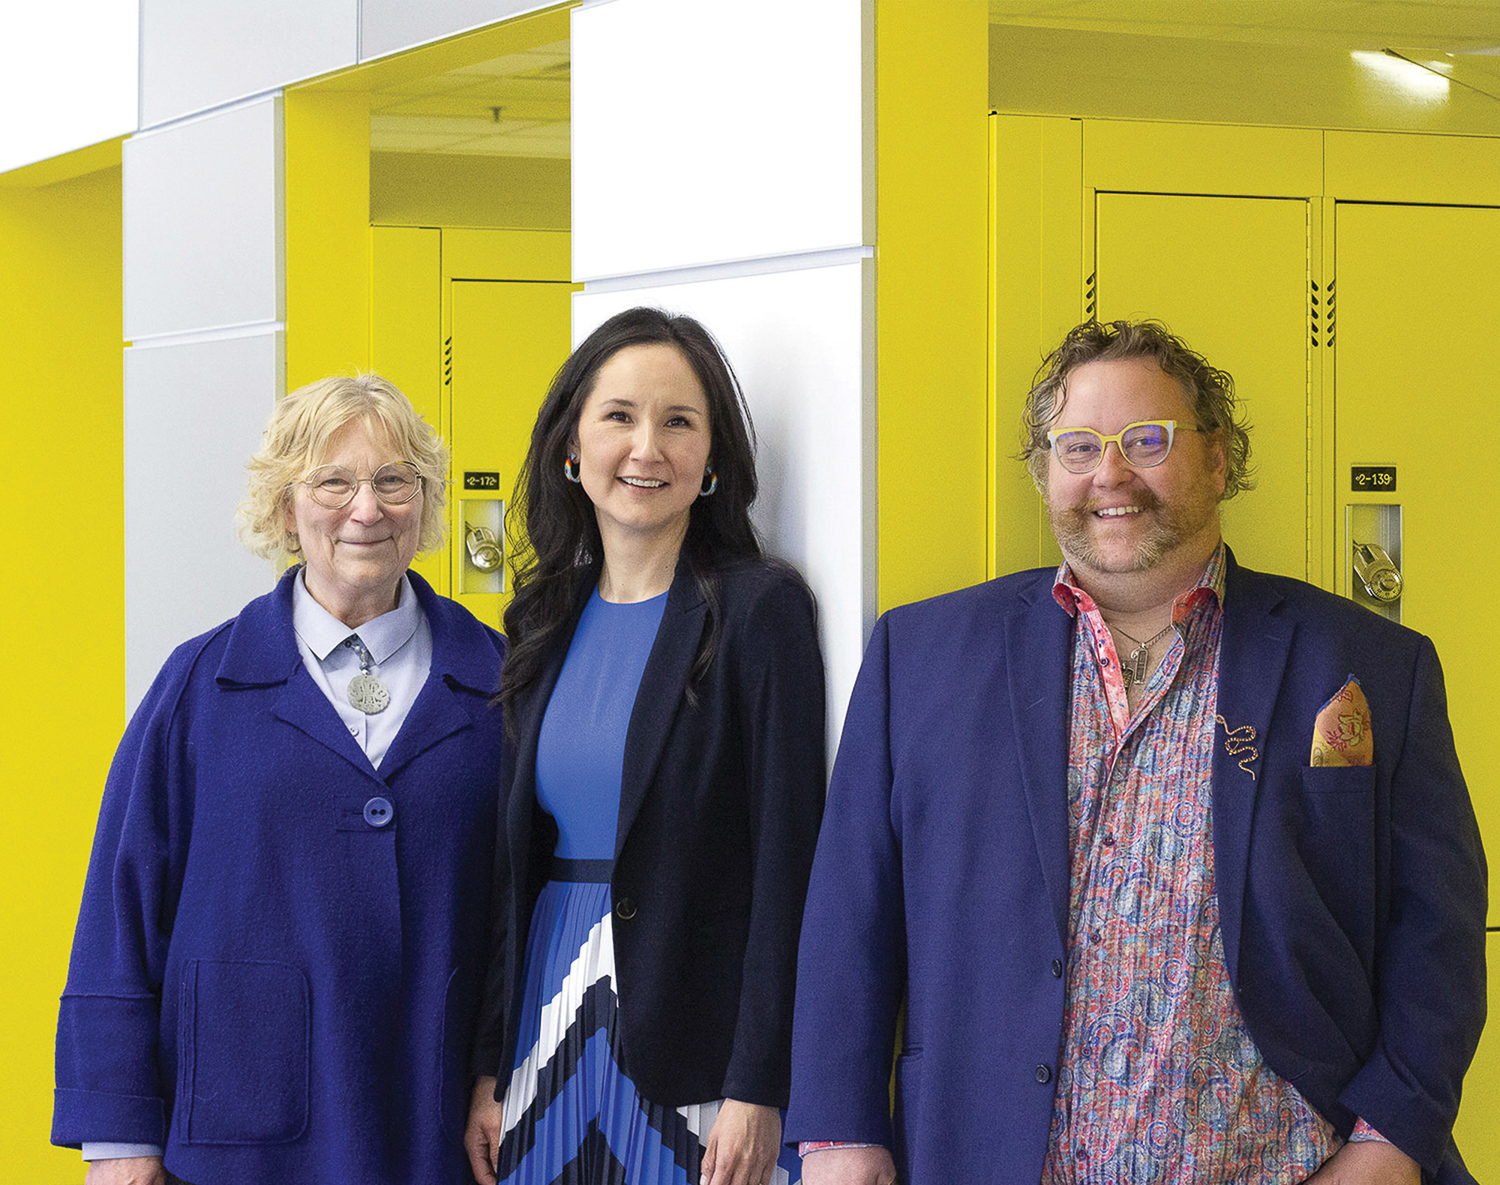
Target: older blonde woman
x=278 y=954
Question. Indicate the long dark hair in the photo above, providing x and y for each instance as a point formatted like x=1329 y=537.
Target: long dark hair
x=561 y=532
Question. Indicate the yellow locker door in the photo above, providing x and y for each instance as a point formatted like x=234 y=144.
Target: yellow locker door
x=1415 y=378
x=1230 y=275
x=406 y=335
x=509 y=338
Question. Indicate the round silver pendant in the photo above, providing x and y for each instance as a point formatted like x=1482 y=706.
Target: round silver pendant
x=368 y=694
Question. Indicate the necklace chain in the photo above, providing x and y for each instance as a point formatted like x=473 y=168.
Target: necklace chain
x=1134 y=670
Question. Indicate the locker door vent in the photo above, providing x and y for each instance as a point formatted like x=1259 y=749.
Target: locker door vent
x=1321 y=314
x=1088 y=297
x=448 y=362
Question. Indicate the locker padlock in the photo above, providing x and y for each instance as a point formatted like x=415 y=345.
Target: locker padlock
x=484 y=551
x=1377 y=572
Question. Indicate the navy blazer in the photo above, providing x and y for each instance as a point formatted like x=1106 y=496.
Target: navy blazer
x=719 y=808
x=279 y=954
x=1352 y=899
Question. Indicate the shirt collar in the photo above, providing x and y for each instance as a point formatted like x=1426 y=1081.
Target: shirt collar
x=323 y=633
x=1209 y=586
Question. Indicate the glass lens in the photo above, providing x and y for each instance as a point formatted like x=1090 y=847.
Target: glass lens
x=396 y=482
x=1145 y=445
x=331 y=485
x=1078 y=449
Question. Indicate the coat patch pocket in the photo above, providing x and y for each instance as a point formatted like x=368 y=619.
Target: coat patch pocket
x=243 y=1029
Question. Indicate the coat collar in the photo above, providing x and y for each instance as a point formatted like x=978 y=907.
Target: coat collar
x=261 y=651
x=1256 y=643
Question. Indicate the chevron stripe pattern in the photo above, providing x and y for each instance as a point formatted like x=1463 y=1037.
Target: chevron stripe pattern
x=572 y=1115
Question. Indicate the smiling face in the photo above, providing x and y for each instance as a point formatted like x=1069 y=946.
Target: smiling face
x=356 y=555
x=1117 y=520
x=642 y=441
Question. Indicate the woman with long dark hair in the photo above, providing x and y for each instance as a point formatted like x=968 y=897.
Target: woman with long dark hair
x=660 y=805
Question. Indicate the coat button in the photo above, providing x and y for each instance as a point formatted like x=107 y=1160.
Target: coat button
x=1044 y=1074
x=379 y=812
x=1056 y=968
x=625 y=909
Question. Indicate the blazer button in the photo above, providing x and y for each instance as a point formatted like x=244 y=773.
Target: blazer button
x=625 y=909
x=1056 y=968
x=1044 y=1074
x=378 y=812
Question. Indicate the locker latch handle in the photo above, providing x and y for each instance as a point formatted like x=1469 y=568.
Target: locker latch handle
x=484 y=551
x=1377 y=572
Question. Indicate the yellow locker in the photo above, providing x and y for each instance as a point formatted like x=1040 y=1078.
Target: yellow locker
x=1184 y=260
x=472 y=324
x=1415 y=381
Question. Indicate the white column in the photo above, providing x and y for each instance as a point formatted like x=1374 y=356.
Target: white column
x=722 y=168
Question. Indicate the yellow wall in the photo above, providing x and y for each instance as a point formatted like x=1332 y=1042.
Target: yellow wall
x=327 y=177
x=931 y=68
x=63 y=702
x=424 y=189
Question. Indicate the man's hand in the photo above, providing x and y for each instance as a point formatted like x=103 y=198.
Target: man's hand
x=482 y=1135
x=1368 y=1162
x=849 y=1166
x=742 y=1145
x=126 y=1170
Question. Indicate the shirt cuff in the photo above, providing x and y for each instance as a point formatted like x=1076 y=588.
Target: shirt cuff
x=101 y=1150
x=823 y=1145
x=1363 y=1132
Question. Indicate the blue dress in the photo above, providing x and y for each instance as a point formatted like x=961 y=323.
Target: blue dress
x=571 y=1114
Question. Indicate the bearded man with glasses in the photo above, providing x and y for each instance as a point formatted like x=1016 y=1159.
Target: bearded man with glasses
x=1171 y=863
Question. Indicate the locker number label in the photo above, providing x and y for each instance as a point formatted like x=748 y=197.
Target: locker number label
x=475 y=479
x=1364 y=479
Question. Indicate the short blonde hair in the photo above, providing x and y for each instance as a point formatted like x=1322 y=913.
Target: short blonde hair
x=296 y=441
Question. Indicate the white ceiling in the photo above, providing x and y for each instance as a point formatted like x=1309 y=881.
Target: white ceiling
x=456 y=112
x=1453 y=26
x=516 y=105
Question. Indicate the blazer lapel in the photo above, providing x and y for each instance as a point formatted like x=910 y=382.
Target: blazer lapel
x=1252 y=662
x=663 y=685
x=1037 y=658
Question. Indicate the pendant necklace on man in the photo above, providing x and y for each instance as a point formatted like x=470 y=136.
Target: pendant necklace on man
x=1135 y=669
x=366 y=692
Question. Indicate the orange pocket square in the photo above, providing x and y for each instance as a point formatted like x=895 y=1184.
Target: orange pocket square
x=1341 y=734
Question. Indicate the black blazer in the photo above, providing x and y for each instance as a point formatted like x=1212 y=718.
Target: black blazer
x=719 y=812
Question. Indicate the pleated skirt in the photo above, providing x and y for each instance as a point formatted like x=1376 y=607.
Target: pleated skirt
x=572 y=1116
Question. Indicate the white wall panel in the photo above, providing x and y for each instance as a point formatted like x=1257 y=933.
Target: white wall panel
x=708 y=132
x=387 y=26
x=193 y=415
x=197 y=54
x=801 y=344
x=68 y=75
x=203 y=223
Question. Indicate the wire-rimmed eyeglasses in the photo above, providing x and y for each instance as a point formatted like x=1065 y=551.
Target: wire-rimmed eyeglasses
x=334 y=486
x=1144 y=444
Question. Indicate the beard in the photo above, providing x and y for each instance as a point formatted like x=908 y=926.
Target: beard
x=1172 y=524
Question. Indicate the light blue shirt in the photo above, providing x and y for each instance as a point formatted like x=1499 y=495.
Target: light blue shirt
x=400 y=645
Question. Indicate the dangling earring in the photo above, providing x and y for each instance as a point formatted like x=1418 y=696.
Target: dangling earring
x=710 y=482
x=570 y=468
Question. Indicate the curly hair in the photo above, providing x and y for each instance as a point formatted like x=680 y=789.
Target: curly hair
x=561 y=532
x=296 y=441
x=1209 y=391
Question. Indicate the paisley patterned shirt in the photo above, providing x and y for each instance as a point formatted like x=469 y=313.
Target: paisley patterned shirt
x=1159 y=1081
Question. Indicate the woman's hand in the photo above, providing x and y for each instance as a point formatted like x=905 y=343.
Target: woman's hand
x=126 y=1170
x=742 y=1145
x=482 y=1136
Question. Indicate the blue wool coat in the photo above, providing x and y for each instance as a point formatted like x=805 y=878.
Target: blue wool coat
x=1352 y=899
x=279 y=951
